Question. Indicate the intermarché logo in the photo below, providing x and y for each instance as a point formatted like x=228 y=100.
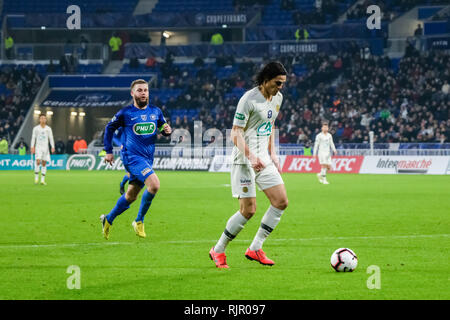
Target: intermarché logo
x=81 y=161
x=144 y=128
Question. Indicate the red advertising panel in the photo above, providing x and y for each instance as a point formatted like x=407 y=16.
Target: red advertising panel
x=308 y=164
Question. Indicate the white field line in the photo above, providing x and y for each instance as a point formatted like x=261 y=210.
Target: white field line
x=107 y=243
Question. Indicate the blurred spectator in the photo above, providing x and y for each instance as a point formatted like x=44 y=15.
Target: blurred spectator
x=51 y=67
x=84 y=47
x=69 y=47
x=21 y=146
x=445 y=87
x=419 y=31
x=59 y=146
x=307 y=151
x=216 y=39
x=115 y=42
x=287 y=4
x=22 y=85
x=318 y=5
x=301 y=34
x=151 y=62
x=70 y=145
x=9 y=47
x=80 y=145
x=64 y=64
x=199 y=62
x=3 y=146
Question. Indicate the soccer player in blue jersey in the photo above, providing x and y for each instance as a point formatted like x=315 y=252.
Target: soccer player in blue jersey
x=140 y=122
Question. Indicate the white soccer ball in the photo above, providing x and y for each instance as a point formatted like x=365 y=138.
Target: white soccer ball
x=344 y=260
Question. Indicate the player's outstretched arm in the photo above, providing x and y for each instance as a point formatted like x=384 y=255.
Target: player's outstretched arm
x=115 y=123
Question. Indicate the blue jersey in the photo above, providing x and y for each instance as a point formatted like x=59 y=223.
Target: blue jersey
x=139 y=130
x=117 y=137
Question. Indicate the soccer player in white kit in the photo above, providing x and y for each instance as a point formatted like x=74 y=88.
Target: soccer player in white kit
x=42 y=136
x=322 y=150
x=255 y=163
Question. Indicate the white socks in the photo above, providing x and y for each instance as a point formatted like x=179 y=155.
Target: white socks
x=37 y=168
x=42 y=169
x=268 y=223
x=234 y=225
x=323 y=172
x=43 y=172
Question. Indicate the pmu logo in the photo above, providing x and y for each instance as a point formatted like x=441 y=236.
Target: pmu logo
x=144 y=128
x=81 y=162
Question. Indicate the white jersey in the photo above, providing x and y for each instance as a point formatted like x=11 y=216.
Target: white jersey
x=324 y=144
x=42 y=137
x=257 y=116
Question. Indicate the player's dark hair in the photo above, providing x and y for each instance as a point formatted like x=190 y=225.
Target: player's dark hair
x=42 y=115
x=138 y=81
x=324 y=122
x=271 y=70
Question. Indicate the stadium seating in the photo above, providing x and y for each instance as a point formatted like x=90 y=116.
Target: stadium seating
x=274 y=15
x=51 y=6
x=194 y=6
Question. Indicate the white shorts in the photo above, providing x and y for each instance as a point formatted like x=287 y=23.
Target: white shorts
x=42 y=154
x=325 y=158
x=244 y=180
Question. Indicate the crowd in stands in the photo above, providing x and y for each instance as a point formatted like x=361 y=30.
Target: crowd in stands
x=323 y=8
x=360 y=11
x=441 y=16
x=355 y=92
x=389 y=9
x=316 y=15
x=242 y=5
x=18 y=86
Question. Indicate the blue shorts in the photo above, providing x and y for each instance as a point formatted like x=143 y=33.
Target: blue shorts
x=140 y=168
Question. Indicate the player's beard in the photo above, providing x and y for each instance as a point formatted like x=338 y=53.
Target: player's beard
x=140 y=102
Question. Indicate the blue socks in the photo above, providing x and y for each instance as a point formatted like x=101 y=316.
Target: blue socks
x=121 y=205
x=146 y=201
x=124 y=180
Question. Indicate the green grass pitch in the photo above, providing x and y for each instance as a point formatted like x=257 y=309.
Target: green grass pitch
x=399 y=223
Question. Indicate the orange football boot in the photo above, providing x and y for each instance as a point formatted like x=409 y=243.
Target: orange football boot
x=258 y=255
x=220 y=259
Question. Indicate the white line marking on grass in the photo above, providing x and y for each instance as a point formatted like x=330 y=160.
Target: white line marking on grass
x=324 y=238
x=56 y=245
x=62 y=245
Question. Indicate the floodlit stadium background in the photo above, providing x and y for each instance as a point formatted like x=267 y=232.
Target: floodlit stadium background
x=380 y=76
